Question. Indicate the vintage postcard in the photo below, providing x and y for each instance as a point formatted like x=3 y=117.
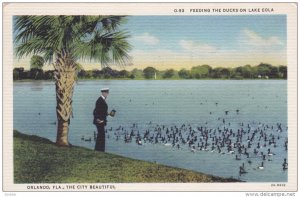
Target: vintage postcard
x=150 y=97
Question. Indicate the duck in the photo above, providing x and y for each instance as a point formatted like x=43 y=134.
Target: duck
x=237 y=157
x=139 y=142
x=258 y=145
x=284 y=165
x=230 y=152
x=269 y=153
x=242 y=170
x=88 y=140
x=261 y=167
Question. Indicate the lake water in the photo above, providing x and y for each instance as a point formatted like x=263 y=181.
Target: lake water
x=197 y=106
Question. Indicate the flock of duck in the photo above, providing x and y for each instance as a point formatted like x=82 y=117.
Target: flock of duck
x=253 y=144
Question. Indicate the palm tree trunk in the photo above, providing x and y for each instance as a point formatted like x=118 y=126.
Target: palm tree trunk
x=64 y=83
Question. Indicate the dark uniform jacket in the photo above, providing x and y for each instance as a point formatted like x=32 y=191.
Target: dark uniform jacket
x=100 y=111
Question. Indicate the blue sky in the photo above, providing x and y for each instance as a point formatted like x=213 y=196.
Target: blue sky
x=221 y=31
x=186 y=41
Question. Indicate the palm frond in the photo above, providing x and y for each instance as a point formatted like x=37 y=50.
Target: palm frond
x=36 y=34
x=111 y=23
x=93 y=37
x=120 y=49
x=106 y=48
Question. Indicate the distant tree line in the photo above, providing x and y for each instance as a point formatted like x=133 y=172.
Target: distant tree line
x=261 y=71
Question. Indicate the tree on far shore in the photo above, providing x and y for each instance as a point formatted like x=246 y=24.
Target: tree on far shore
x=201 y=71
x=283 y=71
x=183 y=73
x=36 y=67
x=149 y=72
x=169 y=73
x=37 y=61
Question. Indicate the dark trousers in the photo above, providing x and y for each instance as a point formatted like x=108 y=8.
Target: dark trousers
x=100 y=141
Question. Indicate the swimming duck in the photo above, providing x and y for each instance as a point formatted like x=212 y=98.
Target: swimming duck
x=284 y=165
x=237 y=157
x=261 y=167
x=88 y=140
x=270 y=153
x=242 y=169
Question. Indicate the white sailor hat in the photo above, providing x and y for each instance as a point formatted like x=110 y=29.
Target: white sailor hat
x=105 y=90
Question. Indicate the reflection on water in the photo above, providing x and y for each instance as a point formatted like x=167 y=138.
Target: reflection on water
x=37 y=86
x=216 y=113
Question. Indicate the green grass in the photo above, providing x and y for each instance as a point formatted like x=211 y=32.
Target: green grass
x=38 y=160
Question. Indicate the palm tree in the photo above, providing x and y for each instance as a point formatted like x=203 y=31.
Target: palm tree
x=63 y=40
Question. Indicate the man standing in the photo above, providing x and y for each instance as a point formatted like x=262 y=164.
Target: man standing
x=100 y=114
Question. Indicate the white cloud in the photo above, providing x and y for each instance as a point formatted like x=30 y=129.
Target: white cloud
x=197 y=47
x=250 y=37
x=147 y=39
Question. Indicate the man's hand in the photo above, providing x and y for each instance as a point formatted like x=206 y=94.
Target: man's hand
x=112 y=113
x=99 y=121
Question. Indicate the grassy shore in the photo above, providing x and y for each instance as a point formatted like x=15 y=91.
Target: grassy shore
x=38 y=160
